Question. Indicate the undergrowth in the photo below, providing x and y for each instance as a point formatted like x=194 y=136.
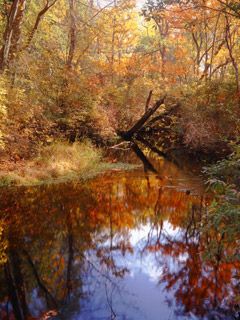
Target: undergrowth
x=61 y=162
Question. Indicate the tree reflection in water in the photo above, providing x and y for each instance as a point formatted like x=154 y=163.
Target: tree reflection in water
x=66 y=243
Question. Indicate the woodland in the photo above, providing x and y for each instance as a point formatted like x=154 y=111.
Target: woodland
x=78 y=69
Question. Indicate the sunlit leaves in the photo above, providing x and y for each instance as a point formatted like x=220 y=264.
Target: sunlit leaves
x=3 y=109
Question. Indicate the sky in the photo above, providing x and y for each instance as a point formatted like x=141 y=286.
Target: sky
x=140 y=3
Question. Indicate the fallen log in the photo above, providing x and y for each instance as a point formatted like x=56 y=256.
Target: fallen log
x=148 y=101
x=127 y=135
x=167 y=112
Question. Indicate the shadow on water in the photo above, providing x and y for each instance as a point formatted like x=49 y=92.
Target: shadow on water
x=126 y=245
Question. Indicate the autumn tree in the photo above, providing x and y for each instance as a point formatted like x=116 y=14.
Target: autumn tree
x=12 y=32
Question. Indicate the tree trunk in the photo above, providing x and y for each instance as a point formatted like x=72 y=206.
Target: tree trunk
x=38 y=20
x=12 y=33
x=72 y=35
x=230 y=46
x=127 y=135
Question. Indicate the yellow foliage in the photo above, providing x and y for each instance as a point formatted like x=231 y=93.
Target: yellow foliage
x=3 y=109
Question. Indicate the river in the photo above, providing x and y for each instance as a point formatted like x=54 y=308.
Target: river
x=124 y=245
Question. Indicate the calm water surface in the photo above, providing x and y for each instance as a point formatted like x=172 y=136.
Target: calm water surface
x=126 y=245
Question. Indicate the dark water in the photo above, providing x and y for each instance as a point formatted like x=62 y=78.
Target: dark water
x=126 y=245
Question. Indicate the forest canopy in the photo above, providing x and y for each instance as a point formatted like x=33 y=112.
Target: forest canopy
x=72 y=69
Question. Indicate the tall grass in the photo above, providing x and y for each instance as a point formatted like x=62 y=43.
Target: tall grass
x=61 y=158
x=60 y=161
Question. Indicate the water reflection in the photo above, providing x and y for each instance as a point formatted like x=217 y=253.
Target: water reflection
x=124 y=246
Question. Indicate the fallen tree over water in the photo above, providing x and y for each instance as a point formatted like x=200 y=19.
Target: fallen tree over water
x=164 y=127
x=143 y=127
x=128 y=135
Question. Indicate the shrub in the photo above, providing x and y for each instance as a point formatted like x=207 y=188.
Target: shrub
x=209 y=115
x=226 y=171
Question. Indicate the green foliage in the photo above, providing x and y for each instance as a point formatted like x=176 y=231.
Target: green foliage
x=224 y=212
x=225 y=172
x=223 y=219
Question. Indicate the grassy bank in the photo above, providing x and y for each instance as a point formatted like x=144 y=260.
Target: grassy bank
x=60 y=162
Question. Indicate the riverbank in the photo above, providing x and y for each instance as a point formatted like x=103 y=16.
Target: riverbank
x=59 y=162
